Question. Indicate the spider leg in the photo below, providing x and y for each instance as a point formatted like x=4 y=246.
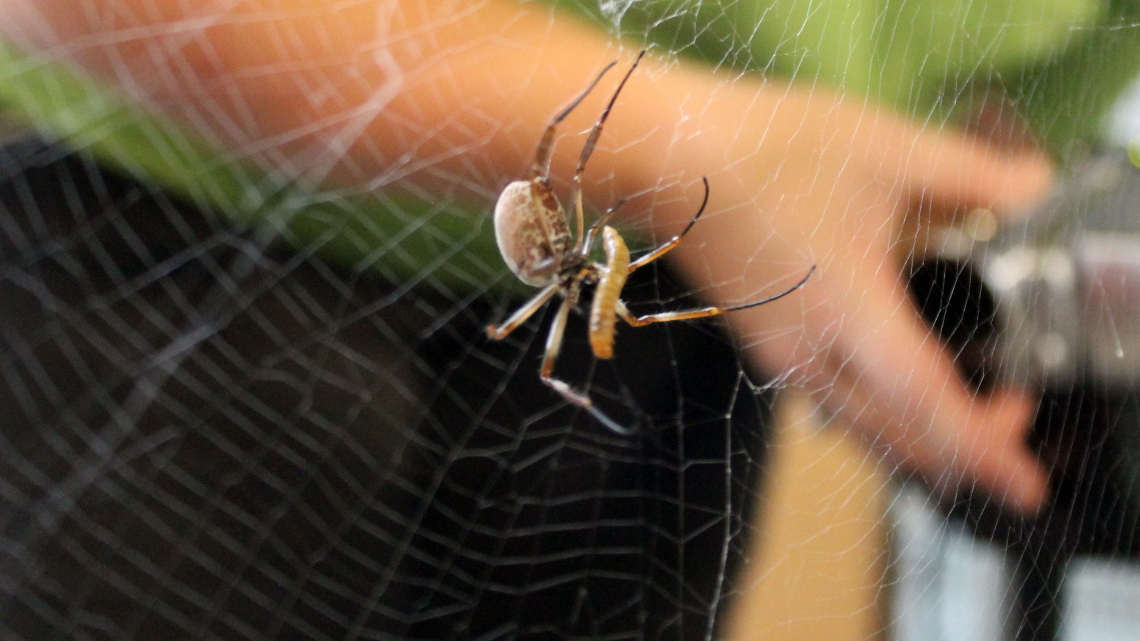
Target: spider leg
x=667 y=247
x=578 y=244
x=541 y=164
x=588 y=149
x=521 y=314
x=584 y=249
x=553 y=345
x=701 y=312
x=592 y=140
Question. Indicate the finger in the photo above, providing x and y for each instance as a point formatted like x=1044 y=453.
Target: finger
x=995 y=445
x=897 y=386
x=963 y=170
x=922 y=230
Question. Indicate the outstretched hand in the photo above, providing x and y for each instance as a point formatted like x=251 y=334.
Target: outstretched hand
x=826 y=180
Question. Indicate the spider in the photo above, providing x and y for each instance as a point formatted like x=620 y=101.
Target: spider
x=533 y=236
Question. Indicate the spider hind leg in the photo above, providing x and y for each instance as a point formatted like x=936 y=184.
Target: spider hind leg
x=583 y=401
x=546 y=374
x=554 y=344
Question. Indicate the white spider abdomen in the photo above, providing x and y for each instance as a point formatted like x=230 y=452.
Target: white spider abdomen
x=531 y=231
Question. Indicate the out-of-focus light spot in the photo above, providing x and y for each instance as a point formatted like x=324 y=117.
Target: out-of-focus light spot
x=1134 y=151
x=981 y=224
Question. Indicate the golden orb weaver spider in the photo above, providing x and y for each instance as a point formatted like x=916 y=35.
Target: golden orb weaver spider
x=533 y=236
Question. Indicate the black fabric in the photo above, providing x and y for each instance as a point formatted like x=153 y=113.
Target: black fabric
x=208 y=436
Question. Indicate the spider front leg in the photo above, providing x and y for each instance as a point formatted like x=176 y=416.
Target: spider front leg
x=541 y=164
x=588 y=150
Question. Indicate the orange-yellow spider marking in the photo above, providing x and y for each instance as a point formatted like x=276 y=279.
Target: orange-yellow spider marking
x=603 y=314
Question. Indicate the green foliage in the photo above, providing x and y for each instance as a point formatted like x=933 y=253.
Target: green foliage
x=396 y=233
x=1060 y=62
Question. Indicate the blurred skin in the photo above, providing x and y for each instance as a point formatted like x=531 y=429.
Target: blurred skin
x=456 y=94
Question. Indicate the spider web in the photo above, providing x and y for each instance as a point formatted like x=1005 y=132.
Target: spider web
x=242 y=404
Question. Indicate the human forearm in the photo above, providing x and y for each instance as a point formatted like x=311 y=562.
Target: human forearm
x=380 y=94
x=445 y=95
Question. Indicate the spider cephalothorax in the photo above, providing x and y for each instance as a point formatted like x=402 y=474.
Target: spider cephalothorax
x=533 y=235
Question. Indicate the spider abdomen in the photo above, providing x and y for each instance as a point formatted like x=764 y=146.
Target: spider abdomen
x=531 y=231
x=603 y=315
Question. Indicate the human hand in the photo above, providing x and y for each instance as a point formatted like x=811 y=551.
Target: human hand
x=822 y=179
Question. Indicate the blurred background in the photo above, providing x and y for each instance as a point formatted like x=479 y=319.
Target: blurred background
x=235 y=405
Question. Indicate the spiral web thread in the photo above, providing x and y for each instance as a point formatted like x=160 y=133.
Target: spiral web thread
x=222 y=428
